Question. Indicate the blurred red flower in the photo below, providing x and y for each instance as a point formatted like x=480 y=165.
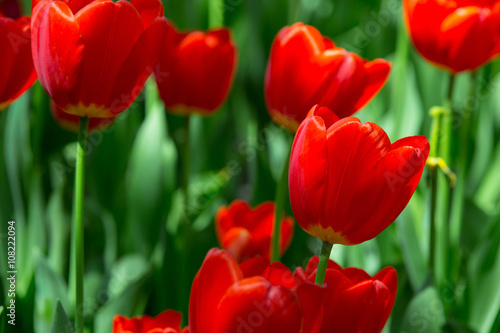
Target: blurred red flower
x=93 y=57
x=456 y=35
x=70 y=122
x=166 y=322
x=347 y=181
x=306 y=68
x=247 y=232
x=196 y=70
x=254 y=296
x=354 y=301
x=10 y=8
x=17 y=73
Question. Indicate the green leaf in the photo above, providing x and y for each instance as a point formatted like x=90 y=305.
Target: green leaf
x=126 y=290
x=50 y=288
x=61 y=323
x=424 y=313
x=484 y=270
x=146 y=171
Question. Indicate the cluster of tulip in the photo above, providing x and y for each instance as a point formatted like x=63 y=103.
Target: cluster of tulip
x=347 y=181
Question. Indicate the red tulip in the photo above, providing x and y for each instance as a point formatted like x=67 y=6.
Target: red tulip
x=347 y=181
x=93 y=57
x=306 y=68
x=17 y=73
x=354 y=301
x=247 y=232
x=196 y=70
x=454 y=35
x=10 y=8
x=70 y=122
x=253 y=297
x=166 y=322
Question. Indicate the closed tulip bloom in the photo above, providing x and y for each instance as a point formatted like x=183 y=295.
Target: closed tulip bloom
x=306 y=68
x=17 y=73
x=247 y=232
x=457 y=35
x=93 y=57
x=354 y=302
x=166 y=322
x=70 y=122
x=347 y=181
x=196 y=70
x=253 y=297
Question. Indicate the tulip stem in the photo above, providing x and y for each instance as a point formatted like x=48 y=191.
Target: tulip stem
x=324 y=257
x=281 y=193
x=78 y=239
x=186 y=167
x=439 y=132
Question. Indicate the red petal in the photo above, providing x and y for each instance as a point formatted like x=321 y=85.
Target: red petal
x=307 y=182
x=255 y=305
x=207 y=292
x=149 y=10
x=311 y=297
x=57 y=50
x=110 y=32
x=389 y=277
x=138 y=66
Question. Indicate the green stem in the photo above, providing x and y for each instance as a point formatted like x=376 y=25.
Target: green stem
x=215 y=13
x=186 y=165
x=439 y=147
x=463 y=152
x=78 y=240
x=324 y=257
x=293 y=11
x=281 y=195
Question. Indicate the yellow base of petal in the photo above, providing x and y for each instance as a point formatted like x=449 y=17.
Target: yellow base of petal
x=327 y=235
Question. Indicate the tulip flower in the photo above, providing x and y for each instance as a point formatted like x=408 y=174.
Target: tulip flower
x=347 y=181
x=253 y=297
x=17 y=73
x=93 y=57
x=454 y=35
x=306 y=68
x=70 y=122
x=196 y=70
x=354 y=301
x=168 y=321
x=10 y=8
x=247 y=232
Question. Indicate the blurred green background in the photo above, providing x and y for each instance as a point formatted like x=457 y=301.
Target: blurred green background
x=136 y=261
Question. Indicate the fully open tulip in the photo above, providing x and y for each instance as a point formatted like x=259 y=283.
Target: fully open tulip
x=93 y=57
x=70 y=122
x=196 y=70
x=354 y=301
x=253 y=297
x=306 y=68
x=166 y=322
x=454 y=35
x=247 y=232
x=347 y=181
x=17 y=73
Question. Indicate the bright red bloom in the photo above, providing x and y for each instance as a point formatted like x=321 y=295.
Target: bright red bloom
x=254 y=296
x=347 y=181
x=354 y=301
x=166 y=322
x=455 y=35
x=93 y=57
x=17 y=73
x=71 y=122
x=247 y=232
x=196 y=70
x=306 y=68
